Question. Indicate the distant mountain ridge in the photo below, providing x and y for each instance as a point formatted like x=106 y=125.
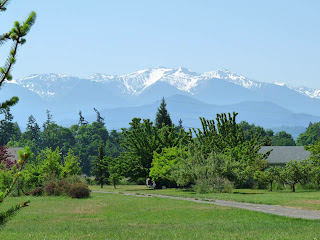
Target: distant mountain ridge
x=271 y=105
x=135 y=83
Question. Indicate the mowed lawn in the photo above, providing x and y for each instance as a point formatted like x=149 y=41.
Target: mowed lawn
x=303 y=199
x=110 y=216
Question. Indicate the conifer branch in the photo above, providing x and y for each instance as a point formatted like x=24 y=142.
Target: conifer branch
x=3 y=4
x=17 y=36
x=10 y=61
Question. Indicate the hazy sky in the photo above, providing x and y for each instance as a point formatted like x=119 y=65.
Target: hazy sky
x=269 y=41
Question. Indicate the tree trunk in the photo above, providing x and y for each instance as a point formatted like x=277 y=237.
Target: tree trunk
x=101 y=185
x=293 y=187
x=271 y=186
x=114 y=185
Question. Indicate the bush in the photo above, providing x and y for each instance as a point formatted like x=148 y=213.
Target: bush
x=216 y=184
x=202 y=187
x=38 y=191
x=58 y=188
x=61 y=187
x=50 y=188
x=227 y=186
x=79 y=190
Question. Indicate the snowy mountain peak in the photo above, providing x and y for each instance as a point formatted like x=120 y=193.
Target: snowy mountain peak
x=101 y=77
x=48 y=77
x=135 y=83
x=232 y=77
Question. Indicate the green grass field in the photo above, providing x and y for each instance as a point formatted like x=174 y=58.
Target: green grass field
x=301 y=199
x=106 y=216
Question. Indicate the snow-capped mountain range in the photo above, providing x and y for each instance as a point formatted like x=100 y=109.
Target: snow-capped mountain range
x=135 y=83
x=190 y=95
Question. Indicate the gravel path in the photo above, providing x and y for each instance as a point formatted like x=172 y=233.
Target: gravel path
x=272 y=209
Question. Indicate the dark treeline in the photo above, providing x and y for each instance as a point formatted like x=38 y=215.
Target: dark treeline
x=82 y=138
x=131 y=150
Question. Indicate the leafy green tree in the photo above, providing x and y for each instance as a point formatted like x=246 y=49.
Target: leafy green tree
x=71 y=165
x=163 y=164
x=141 y=141
x=295 y=172
x=251 y=129
x=87 y=138
x=163 y=117
x=113 y=148
x=270 y=175
x=314 y=162
x=283 y=139
x=114 y=168
x=310 y=136
x=207 y=172
x=221 y=135
x=51 y=162
x=54 y=136
x=33 y=175
x=266 y=141
x=227 y=137
x=100 y=167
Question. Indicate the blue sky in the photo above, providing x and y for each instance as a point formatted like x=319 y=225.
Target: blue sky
x=269 y=41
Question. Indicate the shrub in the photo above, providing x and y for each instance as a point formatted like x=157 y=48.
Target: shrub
x=202 y=187
x=227 y=186
x=216 y=184
x=50 y=188
x=79 y=190
x=56 y=187
x=62 y=187
x=38 y=191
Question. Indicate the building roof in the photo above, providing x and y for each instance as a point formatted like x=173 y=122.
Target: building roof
x=14 y=152
x=284 y=154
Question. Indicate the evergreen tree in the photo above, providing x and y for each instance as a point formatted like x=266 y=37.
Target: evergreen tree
x=163 y=117
x=180 y=124
x=81 y=120
x=8 y=129
x=100 y=119
x=33 y=130
x=100 y=168
x=48 y=121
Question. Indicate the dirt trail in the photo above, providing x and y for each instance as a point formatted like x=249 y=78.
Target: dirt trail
x=272 y=209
